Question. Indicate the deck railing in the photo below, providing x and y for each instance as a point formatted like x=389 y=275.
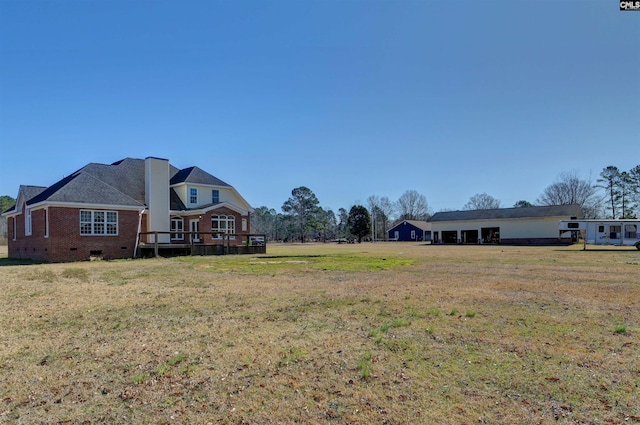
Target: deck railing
x=195 y=239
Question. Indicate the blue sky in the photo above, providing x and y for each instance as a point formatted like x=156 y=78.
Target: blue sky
x=349 y=98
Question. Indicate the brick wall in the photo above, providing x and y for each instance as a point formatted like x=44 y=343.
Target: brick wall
x=205 y=226
x=64 y=242
x=35 y=246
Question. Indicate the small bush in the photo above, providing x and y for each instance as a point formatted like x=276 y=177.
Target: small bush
x=364 y=366
x=139 y=377
x=433 y=311
x=621 y=329
x=399 y=323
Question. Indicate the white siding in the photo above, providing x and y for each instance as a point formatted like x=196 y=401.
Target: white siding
x=521 y=228
x=226 y=194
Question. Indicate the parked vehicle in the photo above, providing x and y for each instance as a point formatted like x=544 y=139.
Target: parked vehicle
x=256 y=240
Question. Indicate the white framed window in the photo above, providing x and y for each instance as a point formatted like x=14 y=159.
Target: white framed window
x=193 y=195
x=46 y=222
x=413 y=234
x=225 y=224
x=15 y=229
x=244 y=224
x=177 y=225
x=630 y=231
x=614 y=232
x=215 y=196
x=98 y=223
x=27 y=222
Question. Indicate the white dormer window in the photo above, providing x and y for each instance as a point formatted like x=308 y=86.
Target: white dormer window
x=193 y=195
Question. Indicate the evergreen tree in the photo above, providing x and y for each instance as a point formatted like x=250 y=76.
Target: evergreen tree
x=359 y=222
x=6 y=202
x=523 y=204
x=302 y=207
x=610 y=182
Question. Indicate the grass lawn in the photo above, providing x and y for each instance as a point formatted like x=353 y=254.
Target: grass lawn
x=386 y=333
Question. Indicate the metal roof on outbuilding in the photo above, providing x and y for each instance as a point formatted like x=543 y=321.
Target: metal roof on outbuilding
x=509 y=213
x=420 y=224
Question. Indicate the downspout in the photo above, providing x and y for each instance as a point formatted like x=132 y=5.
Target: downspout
x=135 y=250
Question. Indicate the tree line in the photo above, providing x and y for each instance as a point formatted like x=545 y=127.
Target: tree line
x=613 y=194
x=303 y=219
x=6 y=202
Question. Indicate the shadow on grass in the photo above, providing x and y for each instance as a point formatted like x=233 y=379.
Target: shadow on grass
x=600 y=250
x=18 y=262
x=295 y=256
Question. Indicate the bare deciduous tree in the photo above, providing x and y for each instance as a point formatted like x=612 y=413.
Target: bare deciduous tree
x=263 y=220
x=386 y=209
x=570 y=189
x=413 y=206
x=343 y=216
x=482 y=201
x=381 y=209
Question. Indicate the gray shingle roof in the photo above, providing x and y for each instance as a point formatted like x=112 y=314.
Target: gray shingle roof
x=120 y=183
x=27 y=193
x=507 y=213
x=30 y=191
x=198 y=176
x=175 y=203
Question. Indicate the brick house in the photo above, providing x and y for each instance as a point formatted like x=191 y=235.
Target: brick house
x=107 y=211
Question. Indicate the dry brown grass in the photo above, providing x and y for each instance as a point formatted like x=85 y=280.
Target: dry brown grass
x=349 y=334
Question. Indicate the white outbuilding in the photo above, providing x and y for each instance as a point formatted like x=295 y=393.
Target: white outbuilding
x=515 y=226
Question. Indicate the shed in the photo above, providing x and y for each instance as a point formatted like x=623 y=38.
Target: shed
x=410 y=230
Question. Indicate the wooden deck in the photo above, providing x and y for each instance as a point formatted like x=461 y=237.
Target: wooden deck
x=251 y=244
